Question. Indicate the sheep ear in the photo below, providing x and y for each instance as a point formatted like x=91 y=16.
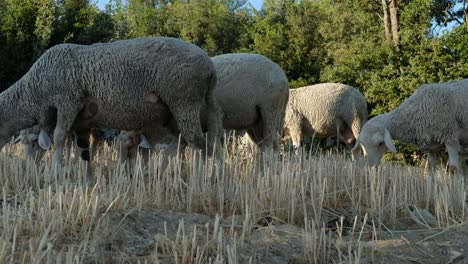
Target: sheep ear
x=144 y=142
x=388 y=141
x=44 y=140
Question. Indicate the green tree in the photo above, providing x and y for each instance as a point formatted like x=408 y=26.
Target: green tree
x=217 y=26
x=44 y=21
x=81 y=22
x=148 y=18
x=117 y=11
x=25 y=27
x=286 y=32
x=353 y=40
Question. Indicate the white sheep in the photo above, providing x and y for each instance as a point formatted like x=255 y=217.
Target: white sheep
x=137 y=84
x=252 y=92
x=36 y=140
x=325 y=110
x=434 y=115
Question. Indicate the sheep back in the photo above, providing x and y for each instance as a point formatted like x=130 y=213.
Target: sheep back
x=434 y=114
x=247 y=82
x=322 y=109
x=119 y=75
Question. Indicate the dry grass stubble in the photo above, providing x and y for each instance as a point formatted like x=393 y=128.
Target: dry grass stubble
x=315 y=208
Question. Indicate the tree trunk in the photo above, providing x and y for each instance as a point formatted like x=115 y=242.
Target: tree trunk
x=394 y=21
x=465 y=12
x=386 y=20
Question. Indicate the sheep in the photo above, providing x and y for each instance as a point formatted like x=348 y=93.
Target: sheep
x=36 y=140
x=325 y=110
x=138 y=84
x=434 y=115
x=252 y=92
x=128 y=143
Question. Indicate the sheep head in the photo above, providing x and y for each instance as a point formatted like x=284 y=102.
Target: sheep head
x=374 y=139
x=34 y=144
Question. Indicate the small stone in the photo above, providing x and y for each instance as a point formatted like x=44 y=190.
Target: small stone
x=422 y=216
x=140 y=246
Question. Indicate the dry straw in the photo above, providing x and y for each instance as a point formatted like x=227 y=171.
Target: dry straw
x=339 y=206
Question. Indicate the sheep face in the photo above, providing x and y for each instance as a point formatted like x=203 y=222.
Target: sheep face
x=34 y=145
x=374 y=140
x=128 y=141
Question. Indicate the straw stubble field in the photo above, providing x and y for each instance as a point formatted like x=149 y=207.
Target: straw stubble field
x=289 y=208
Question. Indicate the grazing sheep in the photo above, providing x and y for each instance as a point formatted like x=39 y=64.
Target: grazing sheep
x=325 y=110
x=434 y=115
x=252 y=93
x=138 y=84
x=36 y=140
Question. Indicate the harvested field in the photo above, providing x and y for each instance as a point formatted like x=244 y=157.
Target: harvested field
x=305 y=208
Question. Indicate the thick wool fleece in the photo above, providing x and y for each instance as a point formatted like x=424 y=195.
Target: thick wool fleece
x=120 y=76
x=435 y=114
x=253 y=92
x=324 y=110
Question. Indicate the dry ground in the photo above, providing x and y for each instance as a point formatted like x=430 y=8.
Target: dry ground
x=305 y=208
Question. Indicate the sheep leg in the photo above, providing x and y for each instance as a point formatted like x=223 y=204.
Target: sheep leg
x=95 y=142
x=176 y=147
x=68 y=147
x=256 y=133
x=272 y=127
x=65 y=118
x=131 y=159
x=60 y=133
x=188 y=121
x=145 y=156
x=350 y=140
x=431 y=160
x=431 y=164
x=454 y=161
x=214 y=125
x=296 y=136
x=123 y=153
x=82 y=143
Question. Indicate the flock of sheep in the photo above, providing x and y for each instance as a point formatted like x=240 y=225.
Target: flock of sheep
x=154 y=89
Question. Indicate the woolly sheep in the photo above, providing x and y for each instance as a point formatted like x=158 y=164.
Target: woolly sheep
x=36 y=140
x=252 y=92
x=138 y=84
x=434 y=115
x=325 y=110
